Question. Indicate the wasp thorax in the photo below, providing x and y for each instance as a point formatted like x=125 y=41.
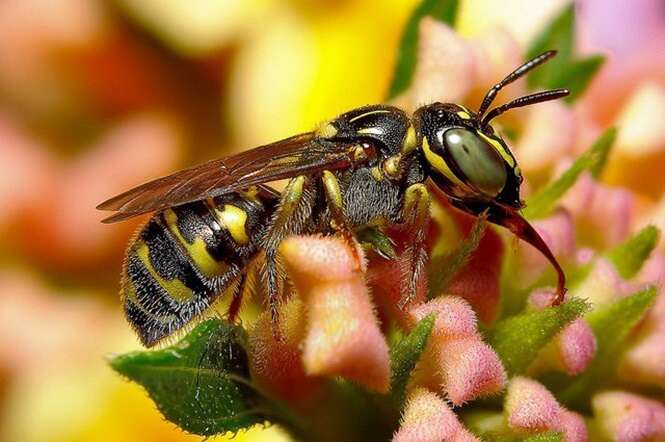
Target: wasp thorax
x=478 y=164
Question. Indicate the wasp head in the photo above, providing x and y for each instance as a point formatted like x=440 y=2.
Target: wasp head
x=466 y=159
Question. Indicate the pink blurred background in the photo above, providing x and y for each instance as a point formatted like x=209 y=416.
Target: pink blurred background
x=98 y=96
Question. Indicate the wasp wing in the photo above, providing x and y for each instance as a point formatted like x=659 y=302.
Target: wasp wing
x=301 y=154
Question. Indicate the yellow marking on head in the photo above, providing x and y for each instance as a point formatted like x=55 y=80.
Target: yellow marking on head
x=377 y=174
x=367 y=114
x=175 y=288
x=372 y=131
x=464 y=115
x=442 y=167
x=332 y=189
x=391 y=166
x=499 y=148
x=196 y=250
x=410 y=140
x=234 y=220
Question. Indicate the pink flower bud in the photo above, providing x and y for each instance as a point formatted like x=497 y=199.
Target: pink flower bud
x=584 y=256
x=653 y=272
x=549 y=134
x=464 y=435
x=592 y=204
x=575 y=346
x=571 y=351
x=343 y=337
x=604 y=284
x=541 y=298
x=573 y=427
x=530 y=407
x=445 y=70
x=454 y=317
x=578 y=199
x=627 y=417
x=470 y=369
x=644 y=362
x=427 y=418
x=617 y=204
x=389 y=284
x=276 y=364
x=496 y=53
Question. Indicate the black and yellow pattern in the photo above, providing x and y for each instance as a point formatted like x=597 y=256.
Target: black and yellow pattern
x=185 y=257
x=370 y=166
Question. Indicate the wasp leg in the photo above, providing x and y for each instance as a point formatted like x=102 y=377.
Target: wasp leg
x=415 y=215
x=291 y=217
x=340 y=222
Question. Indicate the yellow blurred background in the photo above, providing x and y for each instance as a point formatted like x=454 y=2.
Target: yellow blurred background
x=97 y=96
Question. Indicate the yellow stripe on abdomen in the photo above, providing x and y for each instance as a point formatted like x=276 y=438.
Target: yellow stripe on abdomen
x=234 y=220
x=196 y=250
x=175 y=288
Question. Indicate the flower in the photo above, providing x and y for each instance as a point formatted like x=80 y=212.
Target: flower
x=348 y=327
x=94 y=106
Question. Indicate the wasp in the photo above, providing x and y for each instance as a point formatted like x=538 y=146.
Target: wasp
x=368 y=166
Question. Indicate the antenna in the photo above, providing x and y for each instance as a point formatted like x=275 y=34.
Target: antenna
x=513 y=76
x=537 y=97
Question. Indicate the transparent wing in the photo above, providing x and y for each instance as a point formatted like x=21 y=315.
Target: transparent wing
x=301 y=154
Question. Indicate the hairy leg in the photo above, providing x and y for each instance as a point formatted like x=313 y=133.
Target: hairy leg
x=292 y=216
x=340 y=222
x=415 y=215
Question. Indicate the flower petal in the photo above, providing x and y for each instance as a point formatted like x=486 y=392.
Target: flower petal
x=276 y=364
x=604 y=284
x=454 y=317
x=573 y=427
x=446 y=67
x=549 y=134
x=531 y=407
x=644 y=362
x=470 y=369
x=628 y=417
x=343 y=337
x=427 y=418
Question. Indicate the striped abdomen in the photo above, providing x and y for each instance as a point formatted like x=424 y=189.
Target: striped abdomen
x=185 y=257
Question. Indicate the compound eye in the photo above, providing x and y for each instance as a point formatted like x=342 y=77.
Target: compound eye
x=481 y=165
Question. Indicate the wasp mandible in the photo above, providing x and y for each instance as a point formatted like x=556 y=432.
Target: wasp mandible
x=367 y=166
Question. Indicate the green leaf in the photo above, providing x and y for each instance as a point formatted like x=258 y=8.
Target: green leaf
x=518 y=339
x=442 y=269
x=611 y=325
x=564 y=71
x=577 y=76
x=559 y=35
x=629 y=257
x=406 y=353
x=442 y=10
x=201 y=383
x=600 y=152
x=550 y=436
x=543 y=202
